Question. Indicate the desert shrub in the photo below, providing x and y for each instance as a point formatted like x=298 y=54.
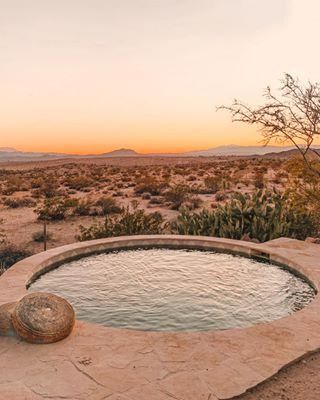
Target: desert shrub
x=81 y=183
x=39 y=236
x=280 y=176
x=10 y=255
x=137 y=222
x=36 y=182
x=107 y=205
x=197 y=189
x=53 y=209
x=70 y=202
x=117 y=193
x=176 y=195
x=87 y=189
x=97 y=173
x=221 y=196
x=14 y=183
x=48 y=188
x=212 y=184
x=179 y=171
x=304 y=189
x=258 y=181
x=193 y=202
x=83 y=207
x=2 y=234
x=19 y=202
x=157 y=200
x=103 y=206
x=146 y=196
x=225 y=184
x=150 y=185
x=263 y=216
x=242 y=165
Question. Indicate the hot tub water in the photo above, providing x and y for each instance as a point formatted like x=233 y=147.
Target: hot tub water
x=175 y=290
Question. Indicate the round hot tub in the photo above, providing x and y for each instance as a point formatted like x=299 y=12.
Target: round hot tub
x=163 y=289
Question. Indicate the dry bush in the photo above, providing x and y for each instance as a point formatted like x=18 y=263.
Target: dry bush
x=53 y=209
x=80 y=183
x=10 y=255
x=259 y=181
x=150 y=185
x=212 y=184
x=14 y=183
x=176 y=195
x=39 y=236
x=19 y=202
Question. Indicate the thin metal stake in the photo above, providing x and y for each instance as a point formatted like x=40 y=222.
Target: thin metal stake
x=45 y=235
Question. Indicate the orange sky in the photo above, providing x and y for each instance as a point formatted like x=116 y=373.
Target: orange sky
x=88 y=76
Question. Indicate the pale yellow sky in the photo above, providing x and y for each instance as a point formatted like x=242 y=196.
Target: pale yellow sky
x=94 y=75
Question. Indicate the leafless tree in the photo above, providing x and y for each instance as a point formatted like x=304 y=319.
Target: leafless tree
x=292 y=117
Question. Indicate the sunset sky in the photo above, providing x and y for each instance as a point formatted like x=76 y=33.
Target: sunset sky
x=88 y=76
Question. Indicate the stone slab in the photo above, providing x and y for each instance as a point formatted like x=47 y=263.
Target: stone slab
x=97 y=362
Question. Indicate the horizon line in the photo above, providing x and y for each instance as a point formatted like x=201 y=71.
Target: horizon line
x=14 y=149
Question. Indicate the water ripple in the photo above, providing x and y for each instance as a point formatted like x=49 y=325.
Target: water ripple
x=176 y=290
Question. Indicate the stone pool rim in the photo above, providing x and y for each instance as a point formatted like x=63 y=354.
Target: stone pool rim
x=262 y=349
x=31 y=268
x=182 y=325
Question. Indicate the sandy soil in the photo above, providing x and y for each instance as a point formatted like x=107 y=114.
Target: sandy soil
x=20 y=224
x=300 y=381
x=115 y=161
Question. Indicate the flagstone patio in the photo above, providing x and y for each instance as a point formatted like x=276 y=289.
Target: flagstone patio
x=96 y=362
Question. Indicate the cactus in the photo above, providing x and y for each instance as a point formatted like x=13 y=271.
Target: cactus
x=136 y=222
x=263 y=216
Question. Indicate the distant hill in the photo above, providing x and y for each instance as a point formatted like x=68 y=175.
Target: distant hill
x=289 y=153
x=235 y=150
x=14 y=155
x=7 y=149
x=8 y=154
x=120 y=153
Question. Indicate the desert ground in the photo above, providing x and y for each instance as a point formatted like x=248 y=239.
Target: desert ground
x=120 y=182
x=299 y=381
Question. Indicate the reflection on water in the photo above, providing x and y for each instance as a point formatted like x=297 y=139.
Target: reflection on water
x=175 y=290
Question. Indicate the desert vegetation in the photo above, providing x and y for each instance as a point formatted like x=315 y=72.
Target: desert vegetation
x=136 y=222
x=260 y=217
x=253 y=198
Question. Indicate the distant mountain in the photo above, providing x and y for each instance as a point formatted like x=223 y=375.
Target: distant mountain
x=120 y=153
x=291 y=153
x=14 y=155
x=235 y=150
x=8 y=154
x=7 y=149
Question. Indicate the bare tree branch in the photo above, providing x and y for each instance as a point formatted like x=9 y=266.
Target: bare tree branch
x=293 y=116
